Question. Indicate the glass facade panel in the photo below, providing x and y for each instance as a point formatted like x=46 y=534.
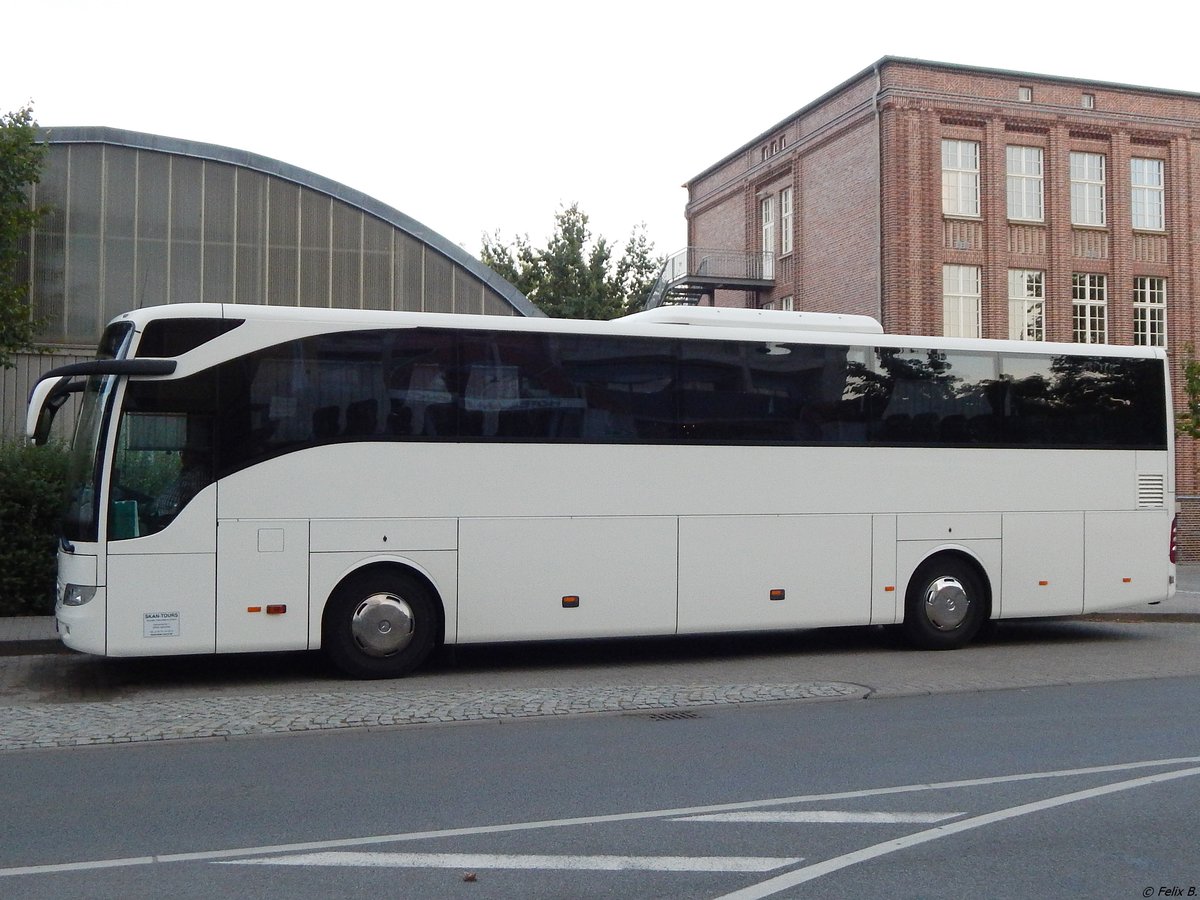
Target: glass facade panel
x=85 y=189
x=187 y=199
x=120 y=210
x=314 y=249
x=439 y=284
x=219 y=221
x=283 y=234
x=83 y=287
x=187 y=218
x=347 y=238
x=50 y=249
x=119 y=266
x=250 y=261
x=128 y=227
x=377 y=264
x=120 y=192
x=410 y=273
x=495 y=305
x=154 y=185
x=468 y=297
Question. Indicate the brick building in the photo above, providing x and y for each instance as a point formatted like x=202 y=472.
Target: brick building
x=945 y=199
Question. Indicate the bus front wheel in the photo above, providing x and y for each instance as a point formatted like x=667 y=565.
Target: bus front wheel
x=946 y=604
x=379 y=624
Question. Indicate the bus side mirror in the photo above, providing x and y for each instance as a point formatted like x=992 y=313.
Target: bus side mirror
x=45 y=402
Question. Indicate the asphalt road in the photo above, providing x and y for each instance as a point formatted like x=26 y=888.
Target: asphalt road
x=1087 y=790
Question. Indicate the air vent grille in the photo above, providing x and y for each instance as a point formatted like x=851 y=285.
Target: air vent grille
x=1151 y=492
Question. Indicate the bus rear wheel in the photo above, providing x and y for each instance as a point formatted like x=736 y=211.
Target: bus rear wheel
x=946 y=604
x=379 y=624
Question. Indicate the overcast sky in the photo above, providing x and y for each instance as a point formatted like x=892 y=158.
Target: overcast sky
x=476 y=117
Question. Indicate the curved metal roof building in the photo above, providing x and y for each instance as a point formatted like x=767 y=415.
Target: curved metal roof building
x=139 y=219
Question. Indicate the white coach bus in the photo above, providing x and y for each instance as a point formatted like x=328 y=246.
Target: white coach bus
x=377 y=484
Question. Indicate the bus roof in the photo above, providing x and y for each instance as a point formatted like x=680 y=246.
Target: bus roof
x=711 y=323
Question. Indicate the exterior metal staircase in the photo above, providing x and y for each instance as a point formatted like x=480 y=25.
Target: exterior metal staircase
x=693 y=273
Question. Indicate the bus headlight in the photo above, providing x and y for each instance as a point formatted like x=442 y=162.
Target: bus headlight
x=77 y=594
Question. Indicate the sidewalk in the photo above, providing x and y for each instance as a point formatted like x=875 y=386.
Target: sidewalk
x=28 y=635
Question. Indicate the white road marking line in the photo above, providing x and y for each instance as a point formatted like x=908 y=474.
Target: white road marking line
x=81 y=866
x=210 y=855
x=826 y=817
x=527 y=861
x=808 y=873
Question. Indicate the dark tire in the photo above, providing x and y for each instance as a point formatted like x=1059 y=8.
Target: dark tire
x=946 y=604
x=380 y=623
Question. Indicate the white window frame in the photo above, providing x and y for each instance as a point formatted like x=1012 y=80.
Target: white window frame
x=1149 y=311
x=788 y=304
x=960 y=178
x=1026 y=305
x=1088 y=188
x=1146 y=200
x=1025 y=183
x=961 y=301
x=1089 y=308
x=785 y=221
x=767 y=218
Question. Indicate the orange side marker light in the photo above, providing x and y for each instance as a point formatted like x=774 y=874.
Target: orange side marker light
x=778 y=593
x=253 y=609
x=276 y=609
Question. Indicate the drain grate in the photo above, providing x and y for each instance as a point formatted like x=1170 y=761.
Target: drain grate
x=672 y=716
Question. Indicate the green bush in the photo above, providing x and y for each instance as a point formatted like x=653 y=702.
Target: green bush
x=32 y=486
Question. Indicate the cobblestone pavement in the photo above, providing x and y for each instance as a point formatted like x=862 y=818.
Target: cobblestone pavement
x=123 y=721
x=67 y=699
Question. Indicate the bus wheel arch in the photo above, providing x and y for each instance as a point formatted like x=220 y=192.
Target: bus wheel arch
x=947 y=602
x=383 y=620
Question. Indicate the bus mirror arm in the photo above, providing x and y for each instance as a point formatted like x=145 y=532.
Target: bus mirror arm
x=53 y=388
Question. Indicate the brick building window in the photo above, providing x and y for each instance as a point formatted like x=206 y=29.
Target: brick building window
x=788 y=304
x=1087 y=189
x=1089 y=308
x=1025 y=183
x=767 y=219
x=1149 y=311
x=1147 y=195
x=1026 y=305
x=1025 y=94
x=960 y=301
x=960 y=178
x=785 y=221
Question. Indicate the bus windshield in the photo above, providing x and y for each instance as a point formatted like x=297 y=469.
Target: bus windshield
x=80 y=518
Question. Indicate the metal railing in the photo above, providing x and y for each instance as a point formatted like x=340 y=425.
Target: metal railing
x=712 y=265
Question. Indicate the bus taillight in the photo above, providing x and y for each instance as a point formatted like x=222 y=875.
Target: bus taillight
x=1174 y=538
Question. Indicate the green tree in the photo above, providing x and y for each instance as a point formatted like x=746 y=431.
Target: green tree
x=574 y=276
x=1187 y=420
x=21 y=158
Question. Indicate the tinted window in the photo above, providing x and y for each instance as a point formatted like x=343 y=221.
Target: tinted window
x=442 y=385
x=165 y=338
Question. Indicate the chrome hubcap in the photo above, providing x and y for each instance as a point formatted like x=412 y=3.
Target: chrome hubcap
x=382 y=625
x=946 y=603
